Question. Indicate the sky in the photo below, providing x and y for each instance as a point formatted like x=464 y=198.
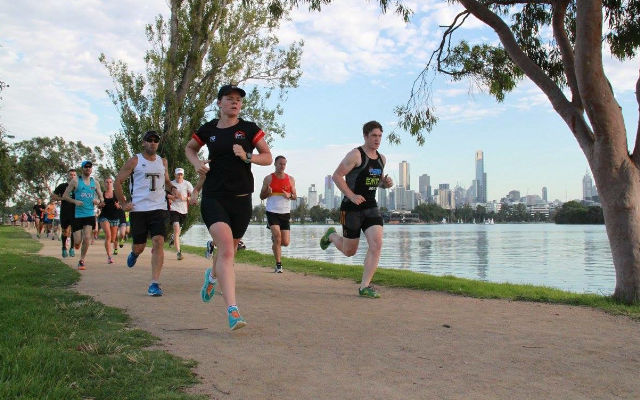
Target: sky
x=358 y=65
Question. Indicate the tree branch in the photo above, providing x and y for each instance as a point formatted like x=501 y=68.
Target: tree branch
x=570 y=114
x=566 y=50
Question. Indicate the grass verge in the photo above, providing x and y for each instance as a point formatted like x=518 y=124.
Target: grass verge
x=58 y=344
x=447 y=284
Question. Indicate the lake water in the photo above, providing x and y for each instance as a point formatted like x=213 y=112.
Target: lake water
x=570 y=257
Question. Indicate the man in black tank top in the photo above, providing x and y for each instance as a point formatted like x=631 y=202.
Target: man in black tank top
x=358 y=176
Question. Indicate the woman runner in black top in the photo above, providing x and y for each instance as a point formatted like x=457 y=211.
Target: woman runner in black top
x=109 y=219
x=226 y=194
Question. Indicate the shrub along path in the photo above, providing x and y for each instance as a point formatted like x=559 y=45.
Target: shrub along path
x=313 y=338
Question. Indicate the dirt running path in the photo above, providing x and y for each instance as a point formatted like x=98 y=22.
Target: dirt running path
x=313 y=338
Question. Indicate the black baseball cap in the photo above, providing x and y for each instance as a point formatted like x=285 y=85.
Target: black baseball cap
x=151 y=134
x=226 y=89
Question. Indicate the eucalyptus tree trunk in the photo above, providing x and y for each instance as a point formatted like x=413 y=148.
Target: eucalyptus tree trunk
x=603 y=139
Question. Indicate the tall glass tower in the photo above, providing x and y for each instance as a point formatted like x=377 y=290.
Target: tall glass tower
x=328 y=193
x=404 y=176
x=480 y=183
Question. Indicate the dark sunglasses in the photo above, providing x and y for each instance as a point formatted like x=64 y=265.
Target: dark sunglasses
x=151 y=140
x=88 y=166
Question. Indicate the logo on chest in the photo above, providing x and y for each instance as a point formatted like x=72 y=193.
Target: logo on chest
x=212 y=139
x=239 y=135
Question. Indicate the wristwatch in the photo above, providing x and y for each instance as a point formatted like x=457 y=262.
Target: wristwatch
x=248 y=160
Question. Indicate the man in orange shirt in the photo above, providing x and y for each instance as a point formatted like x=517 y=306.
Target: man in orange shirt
x=279 y=189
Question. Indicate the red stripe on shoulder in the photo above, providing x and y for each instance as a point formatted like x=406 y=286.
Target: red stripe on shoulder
x=197 y=139
x=257 y=137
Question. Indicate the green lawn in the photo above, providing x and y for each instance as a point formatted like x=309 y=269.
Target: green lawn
x=448 y=284
x=57 y=344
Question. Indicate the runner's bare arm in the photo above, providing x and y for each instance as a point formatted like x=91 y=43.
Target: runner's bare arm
x=294 y=194
x=350 y=161
x=123 y=174
x=67 y=193
x=266 y=188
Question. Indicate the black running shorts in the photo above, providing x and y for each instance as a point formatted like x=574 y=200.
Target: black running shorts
x=79 y=223
x=282 y=220
x=175 y=216
x=66 y=220
x=147 y=223
x=234 y=211
x=355 y=221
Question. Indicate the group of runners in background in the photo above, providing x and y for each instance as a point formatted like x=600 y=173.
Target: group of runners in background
x=225 y=184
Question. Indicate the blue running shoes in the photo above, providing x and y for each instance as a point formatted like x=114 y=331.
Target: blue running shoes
x=72 y=252
x=154 y=290
x=131 y=260
x=64 y=253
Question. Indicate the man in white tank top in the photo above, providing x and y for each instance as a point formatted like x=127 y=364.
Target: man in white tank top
x=149 y=182
x=279 y=189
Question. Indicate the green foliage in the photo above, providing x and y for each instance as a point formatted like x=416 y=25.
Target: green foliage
x=624 y=25
x=200 y=47
x=37 y=178
x=573 y=212
x=490 y=67
x=430 y=212
x=259 y=212
x=319 y=214
x=8 y=182
x=57 y=344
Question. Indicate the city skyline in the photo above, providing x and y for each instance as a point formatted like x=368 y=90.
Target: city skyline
x=446 y=195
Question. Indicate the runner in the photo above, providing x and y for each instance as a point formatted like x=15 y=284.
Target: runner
x=86 y=195
x=48 y=217
x=226 y=194
x=148 y=204
x=279 y=189
x=358 y=177
x=178 y=206
x=38 y=210
x=109 y=220
x=67 y=213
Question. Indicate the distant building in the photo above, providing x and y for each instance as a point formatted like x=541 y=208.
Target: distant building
x=382 y=198
x=480 y=183
x=312 y=197
x=588 y=188
x=424 y=187
x=404 y=199
x=545 y=195
x=445 y=198
x=513 y=196
x=404 y=178
x=329 y=196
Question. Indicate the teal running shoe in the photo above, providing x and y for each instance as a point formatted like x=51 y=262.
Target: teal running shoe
x=154 y=290
x=72 y=252
x=235 y=319
x=324 y=240
x=209 y=287
x=64 y=253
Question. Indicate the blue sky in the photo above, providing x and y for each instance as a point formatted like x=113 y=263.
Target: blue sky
x=357 y=66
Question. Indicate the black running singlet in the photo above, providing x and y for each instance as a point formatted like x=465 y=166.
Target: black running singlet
x=364 y=180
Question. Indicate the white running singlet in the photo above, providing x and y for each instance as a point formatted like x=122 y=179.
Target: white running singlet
x=147 y=185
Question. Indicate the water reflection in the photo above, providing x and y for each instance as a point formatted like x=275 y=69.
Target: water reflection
x=575 y=258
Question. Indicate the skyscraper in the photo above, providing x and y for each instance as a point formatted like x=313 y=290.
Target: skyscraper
x=480 y=183
x=328 y=193
x=404 y=177
x=544 y=194
x=312 y=200
x=424 y=187
x=588 y=190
